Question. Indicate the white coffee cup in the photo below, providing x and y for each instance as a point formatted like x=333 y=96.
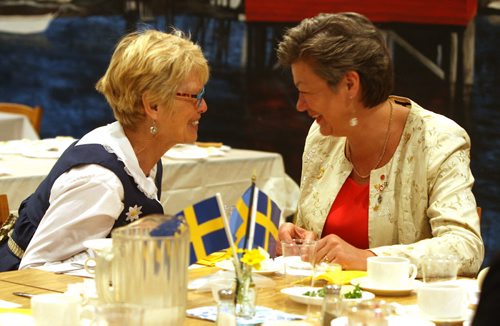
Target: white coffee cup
x=441 y=301
x=55 y=309
x=390 y=272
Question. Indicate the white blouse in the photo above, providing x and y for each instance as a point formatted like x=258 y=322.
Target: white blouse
x=85 y=202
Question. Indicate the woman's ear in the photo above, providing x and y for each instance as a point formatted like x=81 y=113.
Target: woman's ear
x=352 y=83
x=150 y=107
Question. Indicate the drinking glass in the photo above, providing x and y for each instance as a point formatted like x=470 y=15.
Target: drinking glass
x=439 y=268
x=298 y=259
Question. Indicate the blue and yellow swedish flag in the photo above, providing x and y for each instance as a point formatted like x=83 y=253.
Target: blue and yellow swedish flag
x=206 y=228
x=265 y=228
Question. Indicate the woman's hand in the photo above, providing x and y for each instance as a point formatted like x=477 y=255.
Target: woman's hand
x=289 y=231
x=335 y=250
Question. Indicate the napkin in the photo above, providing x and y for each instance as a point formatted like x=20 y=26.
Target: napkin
x=262 y=314
x=342 y=277
x=214 y=258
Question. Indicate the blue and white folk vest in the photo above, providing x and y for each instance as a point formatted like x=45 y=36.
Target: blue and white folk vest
x=33 y=208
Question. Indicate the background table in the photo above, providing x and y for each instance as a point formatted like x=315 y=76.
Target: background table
x=15 y=126
x=185 y=182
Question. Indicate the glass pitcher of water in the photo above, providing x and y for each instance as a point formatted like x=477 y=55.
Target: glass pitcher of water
x=147 y=265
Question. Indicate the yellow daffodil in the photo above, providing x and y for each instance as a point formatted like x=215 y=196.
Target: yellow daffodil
x=253 y=258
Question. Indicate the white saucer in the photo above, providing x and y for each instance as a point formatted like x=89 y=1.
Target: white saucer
x=12 y=318
x=413 y=311
x=296 y=293
x=468 y=315
x=392 y=321
x=365 y=285
x=269 y=267
x=447 y=320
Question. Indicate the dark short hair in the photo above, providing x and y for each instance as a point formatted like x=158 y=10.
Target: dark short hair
x=341 y=42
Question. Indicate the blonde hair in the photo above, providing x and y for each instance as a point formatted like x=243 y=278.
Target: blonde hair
x=153 y=63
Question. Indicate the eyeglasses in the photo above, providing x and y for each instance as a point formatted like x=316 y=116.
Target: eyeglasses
x=198 y=97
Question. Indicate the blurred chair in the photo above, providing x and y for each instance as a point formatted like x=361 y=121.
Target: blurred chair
x=4 y=209
x=34 y=114
x=7 y=220
x=479 y=212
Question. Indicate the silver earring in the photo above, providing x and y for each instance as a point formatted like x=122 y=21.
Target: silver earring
x=353 y=122
x=153 y=129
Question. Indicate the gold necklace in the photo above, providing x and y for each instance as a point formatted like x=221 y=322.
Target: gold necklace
x=381 y=154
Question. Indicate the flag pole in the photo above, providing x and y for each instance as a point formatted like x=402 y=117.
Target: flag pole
x=253 y=217
x=246 y=243
x=229 y=235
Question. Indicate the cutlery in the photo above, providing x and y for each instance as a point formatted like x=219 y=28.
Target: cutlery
x=68 y=270
x=82 y=265
x=23 y=294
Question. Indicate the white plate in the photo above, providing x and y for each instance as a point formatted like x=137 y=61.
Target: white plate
x=98 y=244
x=10 y=318
x=47 y=148
x=296 y=293
x=269 y=266
x=392 y=321
x=194 y=153
x=365 y=285
x=41 y=153
x=197 y=283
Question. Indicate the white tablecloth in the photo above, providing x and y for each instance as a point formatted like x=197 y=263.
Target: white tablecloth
x=185 y=182
x=16 y=126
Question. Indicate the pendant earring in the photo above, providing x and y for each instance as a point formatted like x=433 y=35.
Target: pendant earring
x=153 y=129
x=353 y=122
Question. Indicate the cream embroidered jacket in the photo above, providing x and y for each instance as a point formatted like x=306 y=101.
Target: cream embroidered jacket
x=420 y=202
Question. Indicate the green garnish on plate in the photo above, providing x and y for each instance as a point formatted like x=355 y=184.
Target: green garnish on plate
x=355 y=293
x=315 y=293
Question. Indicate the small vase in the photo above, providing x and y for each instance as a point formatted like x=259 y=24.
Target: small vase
x=245 y=293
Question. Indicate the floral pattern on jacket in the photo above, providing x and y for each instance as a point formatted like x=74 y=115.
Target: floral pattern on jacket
x=420 y=202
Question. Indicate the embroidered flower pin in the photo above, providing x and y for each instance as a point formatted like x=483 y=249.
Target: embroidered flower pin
x=133 y=213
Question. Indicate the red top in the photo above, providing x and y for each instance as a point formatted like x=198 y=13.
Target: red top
x=348 y=217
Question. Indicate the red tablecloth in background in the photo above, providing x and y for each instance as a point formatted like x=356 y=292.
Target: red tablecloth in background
x=443 y=12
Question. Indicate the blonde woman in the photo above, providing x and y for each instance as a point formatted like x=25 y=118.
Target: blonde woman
x=112 y=175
